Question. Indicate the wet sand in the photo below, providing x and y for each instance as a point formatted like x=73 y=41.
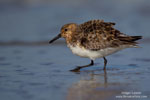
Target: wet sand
x=31 y=69
x=41 y=73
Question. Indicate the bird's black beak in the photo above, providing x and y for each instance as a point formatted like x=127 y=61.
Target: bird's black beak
x=55 y=38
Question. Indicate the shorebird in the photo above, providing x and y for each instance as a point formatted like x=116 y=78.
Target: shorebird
x=95 y=39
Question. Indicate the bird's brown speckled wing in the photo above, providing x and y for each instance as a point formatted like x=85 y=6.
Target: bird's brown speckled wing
x=99 y=35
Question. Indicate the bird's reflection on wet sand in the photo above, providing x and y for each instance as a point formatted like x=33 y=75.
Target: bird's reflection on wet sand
x=93 y=86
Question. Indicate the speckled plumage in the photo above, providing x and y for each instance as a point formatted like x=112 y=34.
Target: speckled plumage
x=97 y=34
x=95 y=39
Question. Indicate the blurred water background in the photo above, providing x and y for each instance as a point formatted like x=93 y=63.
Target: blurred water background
x=31 y=69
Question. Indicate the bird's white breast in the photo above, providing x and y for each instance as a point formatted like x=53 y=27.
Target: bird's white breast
x=94 y=54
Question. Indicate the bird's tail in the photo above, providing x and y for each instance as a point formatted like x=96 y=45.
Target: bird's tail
x=130 y=40
x=135 y=38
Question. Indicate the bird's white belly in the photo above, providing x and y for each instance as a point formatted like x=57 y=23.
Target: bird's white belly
x=94 y=54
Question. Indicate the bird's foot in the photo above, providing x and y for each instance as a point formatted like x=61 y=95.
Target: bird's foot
x=77 y=69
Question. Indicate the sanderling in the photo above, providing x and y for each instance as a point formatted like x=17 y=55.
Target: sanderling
x=95 y=39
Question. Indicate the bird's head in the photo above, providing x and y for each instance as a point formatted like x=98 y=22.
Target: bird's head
x=66 y=31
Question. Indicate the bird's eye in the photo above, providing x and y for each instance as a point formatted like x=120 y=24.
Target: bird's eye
x=66 y=29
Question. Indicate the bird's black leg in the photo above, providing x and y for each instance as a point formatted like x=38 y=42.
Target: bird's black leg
x=79 y=67
x=105 y=63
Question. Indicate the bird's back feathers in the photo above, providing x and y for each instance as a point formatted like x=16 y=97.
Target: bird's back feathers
x=97 y=34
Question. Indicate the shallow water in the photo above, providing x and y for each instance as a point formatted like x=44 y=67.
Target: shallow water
x=31 y=69
x=40 y=73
